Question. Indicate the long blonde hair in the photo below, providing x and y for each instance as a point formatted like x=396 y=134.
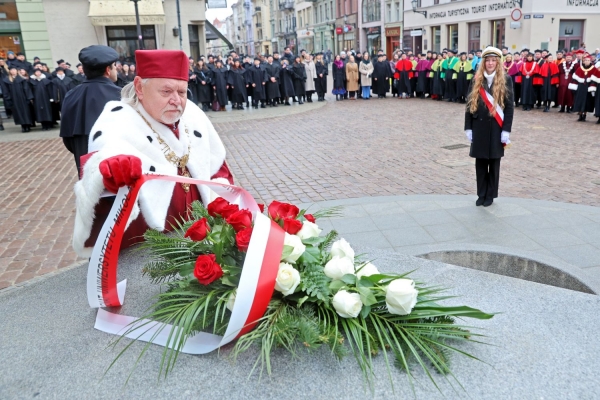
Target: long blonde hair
x=498 y=87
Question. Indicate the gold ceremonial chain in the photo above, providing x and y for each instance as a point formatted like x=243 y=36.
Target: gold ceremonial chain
x=179 y=162
x=586 y=70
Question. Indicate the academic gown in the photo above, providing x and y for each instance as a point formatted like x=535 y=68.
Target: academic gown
x=193 y=86
x=236 y=79
x=449 y=82
x=437 y=79
x=81 y=108
x=273 y=71
x=464 y=74
x=203 y=90
x=585 y=81
x=549 y=73
x=299 y=79
x=321 y=82
x=60 y=89
x=258 y=77
x=286 y=82
x=422 y=82
x=78 y=79
x=219 y=82
x=565 y=76
x=20 y=97
x=528 y=70
x=42 y=93
x=382 y=72
x=404 y=70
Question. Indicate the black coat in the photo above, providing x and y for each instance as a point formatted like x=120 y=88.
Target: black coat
x=273 y=71
x=219 y=82
x=203 y=90
x=321 y=83
x=236 y=79
x=42 y=92
x=339 y=76
x=486 y=131
x=83 y=105
x=382 y=72
x=286 y=86
x=20 y=98
x=78 y=79
x=256 y=76
x=61 y=88
x=299 y=79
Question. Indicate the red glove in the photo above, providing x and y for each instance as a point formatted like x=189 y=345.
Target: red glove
x=121 y=170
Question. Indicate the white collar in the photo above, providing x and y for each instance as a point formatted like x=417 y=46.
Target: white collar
x=490 y=77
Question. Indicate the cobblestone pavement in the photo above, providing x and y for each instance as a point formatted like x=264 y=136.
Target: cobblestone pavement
x=333 y=150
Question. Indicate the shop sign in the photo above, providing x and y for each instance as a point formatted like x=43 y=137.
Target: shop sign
x=323 y=28
x=416 y=32
x=538 y=16
x=373 y=30
x=582 y=3
x=392 y=32
x=497 y=6
x=339 y=30
x=305 y=33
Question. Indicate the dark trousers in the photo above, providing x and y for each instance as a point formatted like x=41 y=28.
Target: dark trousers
x=488 y=176
x=78 y=145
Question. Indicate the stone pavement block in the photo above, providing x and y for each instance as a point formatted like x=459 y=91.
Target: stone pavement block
x=411 y=235
x=394 y=221
x=583 y=255
x=383 y=208
x=526 y=223
x=553 y=238
x=374 y=239
x=449 y=231
x=434 y=217
x=353 y=225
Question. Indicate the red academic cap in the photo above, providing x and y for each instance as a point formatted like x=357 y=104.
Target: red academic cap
x=580 y=51
x=170 y=64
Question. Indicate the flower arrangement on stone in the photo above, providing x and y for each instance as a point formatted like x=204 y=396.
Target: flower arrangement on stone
x=323 y=294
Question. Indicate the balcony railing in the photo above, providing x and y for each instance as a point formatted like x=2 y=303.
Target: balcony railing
x=286 y=4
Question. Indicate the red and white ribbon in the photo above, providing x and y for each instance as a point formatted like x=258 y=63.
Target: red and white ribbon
x=489 y=102
x=254 y=292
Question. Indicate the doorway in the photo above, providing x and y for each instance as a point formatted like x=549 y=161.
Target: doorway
x=474 y=35
x=570 y=34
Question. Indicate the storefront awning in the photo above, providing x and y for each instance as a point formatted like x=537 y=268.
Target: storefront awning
x=122 y=12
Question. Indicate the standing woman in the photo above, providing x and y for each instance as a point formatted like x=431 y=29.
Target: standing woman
x=488 y=122
x=366 y=71
x=299 y=79
x=321 y=78
x=338 y=70
x=311 y=75
x=549 y=73
x=437 y=78
x=236 y=80
x=512 y=70
x=528 y=70
x=203 y=88
x=352 y=77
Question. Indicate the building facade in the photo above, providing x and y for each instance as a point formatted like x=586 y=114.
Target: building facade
x=393 y=16
x=371 y=25
x=59 y=29
x=346 y=25
x=304 y=21
x=262 y=27
x=516 y=24
x=324 y=25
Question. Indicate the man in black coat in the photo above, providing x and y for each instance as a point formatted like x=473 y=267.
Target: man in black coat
x=83 y=105
x=256 y=78
x=79 y=77
x=42 y=98
x=489 y=133
x=20 y=96
x=272 y=70
x=381 y=76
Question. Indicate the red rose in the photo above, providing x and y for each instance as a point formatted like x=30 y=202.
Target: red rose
x=241 y=219
x=221 y=207
x=197 y=232
x=242 y=239
x=283 y=211
x=310 y=218
x=292 y=226
x=261 y=207
x=207 y=270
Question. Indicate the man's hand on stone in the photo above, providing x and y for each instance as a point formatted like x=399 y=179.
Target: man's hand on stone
x=121 y=170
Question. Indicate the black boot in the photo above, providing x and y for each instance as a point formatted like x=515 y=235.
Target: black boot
x=300 y=101
x=1 y=127
x=569 y=110
x=584 y=115
x=597 y=122
x=562 y=109
x=263 y=105
x=580 y=118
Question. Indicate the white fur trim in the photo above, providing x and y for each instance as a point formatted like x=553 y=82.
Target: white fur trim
x=578 y=78
x=573 y=86
x=125 y=132
x=595 y=78
x=592 y=89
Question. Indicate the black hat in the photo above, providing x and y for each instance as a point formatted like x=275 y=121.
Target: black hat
x=36 y=58
x=60 y=61
x=78 y=65
x=275 y=53
x=478 y=51
x=504 y=47
x=20 y=53
x=462 y=54
x=97 y=56
x=68 y=64
x=256 y=59
x=537 y=51
x=60 y=69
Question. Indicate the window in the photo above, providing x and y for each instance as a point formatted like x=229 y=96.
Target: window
x=436 y=2
x=194 y=41
x=371 y=10
x=124 y=40
x=388 y=12
x=397 y=12
x=437 y=38
x=498 y=33
x=453 y=36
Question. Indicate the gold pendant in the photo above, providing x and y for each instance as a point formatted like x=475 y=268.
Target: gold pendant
x=185 y=186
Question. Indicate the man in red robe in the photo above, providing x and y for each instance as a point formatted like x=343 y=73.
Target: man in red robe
x=152 y=129
x=565 y=74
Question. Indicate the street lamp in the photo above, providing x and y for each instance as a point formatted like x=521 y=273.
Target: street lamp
x=414 y=7
x=137 y=23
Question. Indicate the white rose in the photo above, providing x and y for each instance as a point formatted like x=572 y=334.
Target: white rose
x=231 y=301
x=346 y=304
x=367 y=269
x=341 y=248
x=401 y=296
x=338 y=267
x=287 y=280
x=295 y=242
x=308 y=230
